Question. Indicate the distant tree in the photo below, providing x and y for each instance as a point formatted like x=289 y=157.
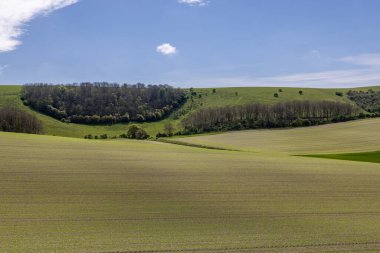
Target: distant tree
x=135 y=132
x=213 y=90
x=300 y=92
x=104 y=136
x=16 y=120
x=275 y=95
x=368 y=100
x=338 y=93
x=236 y=93
x=103 y=103
x=141 y=134
x=131 y=134
x=169 y=129
x=285 y=114
x=279 y=90
x=89 y=136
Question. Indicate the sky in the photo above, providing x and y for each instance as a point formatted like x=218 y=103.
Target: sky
x=191 y=43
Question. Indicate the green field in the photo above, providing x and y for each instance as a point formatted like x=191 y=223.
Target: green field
x=353 y=136
x=243 y=191
x=63 y=194
x=373 y=157
x=9 y=95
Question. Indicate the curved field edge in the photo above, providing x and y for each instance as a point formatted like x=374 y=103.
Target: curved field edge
x=372 y=157
x=205 y=98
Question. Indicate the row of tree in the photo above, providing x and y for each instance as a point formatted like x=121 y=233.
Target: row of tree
x=368 y=100
x=286 y=114
x=97 y=103
x=16 y=120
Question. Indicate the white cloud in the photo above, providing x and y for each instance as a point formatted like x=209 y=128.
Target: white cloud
x=16 y=13
x=368 y=74
x=194 y=2
x=363 y=59
x=166 y=49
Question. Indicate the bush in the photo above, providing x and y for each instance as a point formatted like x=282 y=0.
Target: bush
x=89 y=136
x=300 y=92
x=279 y=90
x=339 y=94
x=135 y=132
x=104 y=136
x=141 y=134
x=275 y=95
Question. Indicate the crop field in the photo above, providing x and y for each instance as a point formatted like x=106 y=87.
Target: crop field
x=346 y=137
x=63 y=194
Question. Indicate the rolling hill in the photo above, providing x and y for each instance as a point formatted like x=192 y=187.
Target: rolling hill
x=62 y=194
x=204 y=98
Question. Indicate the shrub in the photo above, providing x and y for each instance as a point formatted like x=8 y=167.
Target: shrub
x=300 y=92
x=275 y=95
x=279 y=90
x=169 y=129
x=89 y=136
x=135 y=132
x=141 y=134
x=104 y=136
x=339 y=94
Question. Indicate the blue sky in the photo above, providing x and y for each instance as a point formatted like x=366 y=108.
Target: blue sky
x=305 y=43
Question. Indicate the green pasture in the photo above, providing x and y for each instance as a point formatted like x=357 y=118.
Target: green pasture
x=204 y=98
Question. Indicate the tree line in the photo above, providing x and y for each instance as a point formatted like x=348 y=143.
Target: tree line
x=285 y=114
x=17 y=120
x=97 y=103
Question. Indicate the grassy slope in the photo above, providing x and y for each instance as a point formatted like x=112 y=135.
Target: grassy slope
x=99 y=196
x=223 y=96
x=373 y=157
x=353 y=136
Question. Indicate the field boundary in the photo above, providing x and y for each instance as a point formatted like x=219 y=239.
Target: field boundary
x=171 y=141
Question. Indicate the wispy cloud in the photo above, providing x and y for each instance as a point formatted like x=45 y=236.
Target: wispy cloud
x=363 y=59
x=367 y=74
x=2 y=68
x=14 y=14
x=194 y=2
x=166 y=49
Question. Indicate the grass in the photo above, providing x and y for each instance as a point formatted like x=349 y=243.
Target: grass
x=353 y=136
x=63 y=194
x=9 y=95
x=373 y=157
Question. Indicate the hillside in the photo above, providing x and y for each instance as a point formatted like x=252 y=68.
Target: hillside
x=143 y=196
x=353 y=136
x=203 y=98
